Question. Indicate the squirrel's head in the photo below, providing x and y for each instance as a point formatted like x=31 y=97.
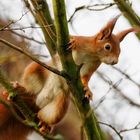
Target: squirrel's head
x=108 y=44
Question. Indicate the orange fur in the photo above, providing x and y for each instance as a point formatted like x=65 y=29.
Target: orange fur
x=52 y=91
x=94 y=50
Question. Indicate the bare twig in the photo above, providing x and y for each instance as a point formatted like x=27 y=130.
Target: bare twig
x=104 y=6
x=129 y=100
x=6 y=26
x=12 y=22
x=112 y=85
x=28 y=38
x=130 y=129
x=75 y=11
x=113 y=128
x=91 y=8
x=126 y=75
x=23 y=28
x=60 y=73
x=118 y=90
x=121 y=131
x=102 y=99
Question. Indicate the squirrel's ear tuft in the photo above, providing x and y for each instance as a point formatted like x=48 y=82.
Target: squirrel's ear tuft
x=122 y=34
x=107 y=30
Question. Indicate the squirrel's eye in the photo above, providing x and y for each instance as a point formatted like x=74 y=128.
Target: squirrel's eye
x=107 y=47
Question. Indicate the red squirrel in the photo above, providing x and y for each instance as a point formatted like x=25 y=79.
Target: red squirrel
x=52 y=92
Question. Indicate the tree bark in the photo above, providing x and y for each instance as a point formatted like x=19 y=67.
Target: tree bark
x=90 y=126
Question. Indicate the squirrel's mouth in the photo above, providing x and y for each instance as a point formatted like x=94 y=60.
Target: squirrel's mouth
x=109 y=60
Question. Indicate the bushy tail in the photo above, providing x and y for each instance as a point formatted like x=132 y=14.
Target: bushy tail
x=34 y=78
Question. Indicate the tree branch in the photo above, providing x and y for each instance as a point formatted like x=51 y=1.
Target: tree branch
x=61 y=73
x=113 y=128
x=91 y=128
x=28 y=38
x=118 y=90
x=136 y=127
x=126 y=75
x=126 y=8
x=22 y=28
x=121 y=131
x=12 y=22
x=102 y=6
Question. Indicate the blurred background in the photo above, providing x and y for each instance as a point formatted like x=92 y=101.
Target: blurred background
x=116 y=89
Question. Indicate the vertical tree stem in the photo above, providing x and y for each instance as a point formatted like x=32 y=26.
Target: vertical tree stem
x=126 y=8
x=90 y=125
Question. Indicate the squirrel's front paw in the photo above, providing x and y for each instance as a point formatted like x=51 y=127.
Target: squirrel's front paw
x=44 y=128
x=88 y=94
